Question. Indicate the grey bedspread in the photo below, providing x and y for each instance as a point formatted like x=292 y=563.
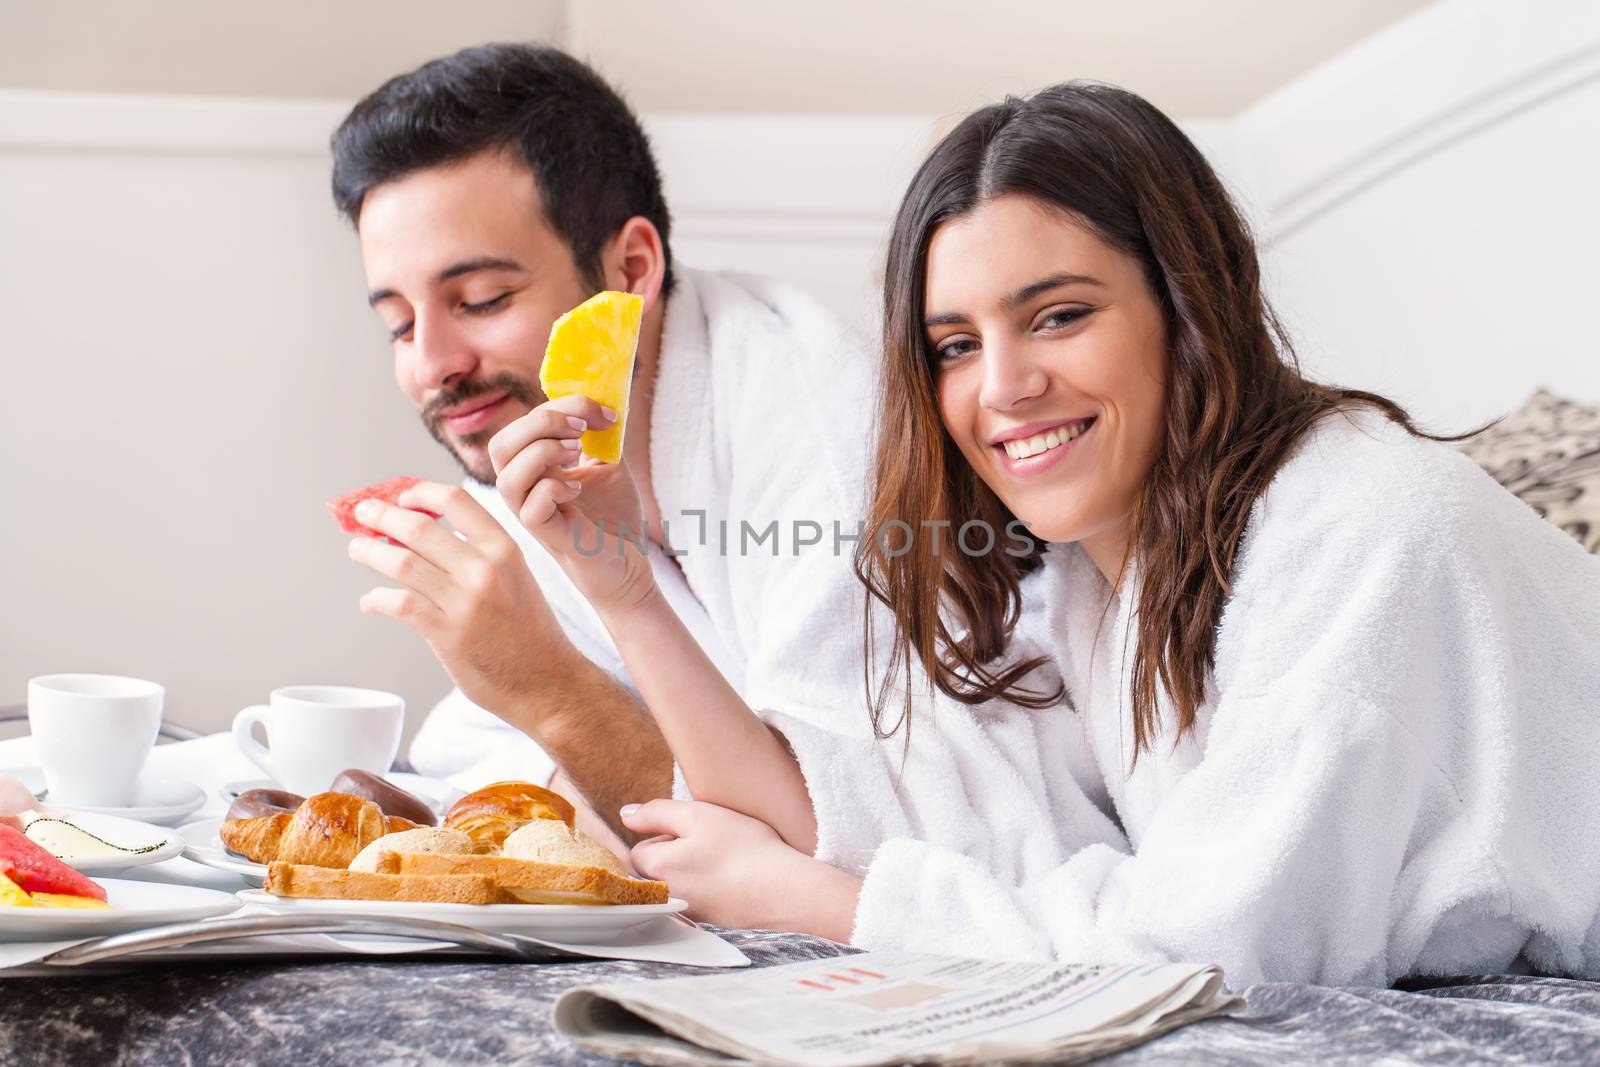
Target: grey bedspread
x=420 y=1012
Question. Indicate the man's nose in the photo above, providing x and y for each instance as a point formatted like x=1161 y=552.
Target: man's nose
x=442 y=351
x=1011 y=376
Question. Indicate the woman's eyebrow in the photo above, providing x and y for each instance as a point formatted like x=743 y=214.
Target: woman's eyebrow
x=1021 y=296
x=1054 y=281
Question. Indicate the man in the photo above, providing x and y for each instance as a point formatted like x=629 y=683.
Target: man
x=493 y=190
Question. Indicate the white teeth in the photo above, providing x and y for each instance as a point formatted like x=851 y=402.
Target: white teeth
x=1022 y=448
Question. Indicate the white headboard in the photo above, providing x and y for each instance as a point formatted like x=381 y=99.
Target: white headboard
x=1430 y=206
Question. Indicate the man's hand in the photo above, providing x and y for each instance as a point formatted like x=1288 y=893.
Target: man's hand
x=736 y=871
x=472 y=597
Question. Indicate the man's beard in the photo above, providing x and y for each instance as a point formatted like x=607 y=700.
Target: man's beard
x=433 y=418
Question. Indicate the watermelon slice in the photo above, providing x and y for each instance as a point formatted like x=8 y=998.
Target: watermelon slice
x=344 y=507
x=36 y=871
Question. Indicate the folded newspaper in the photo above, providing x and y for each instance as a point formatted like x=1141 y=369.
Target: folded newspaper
x=891 y=1007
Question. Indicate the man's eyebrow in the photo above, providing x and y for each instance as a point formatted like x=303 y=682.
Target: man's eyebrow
x=1021 y=296
x=455 y=270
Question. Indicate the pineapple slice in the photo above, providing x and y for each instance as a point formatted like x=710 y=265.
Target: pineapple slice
x=63 y=900
x=12 y=895
x=591 y=353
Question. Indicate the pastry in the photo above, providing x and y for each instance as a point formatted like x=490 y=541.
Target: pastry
x=260 y=803
x=388 y=796
x=489 y=814
x=327 y=830
x=548 y=841
x=422 y=839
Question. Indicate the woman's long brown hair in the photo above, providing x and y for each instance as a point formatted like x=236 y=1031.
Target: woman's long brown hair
x=1236 y=405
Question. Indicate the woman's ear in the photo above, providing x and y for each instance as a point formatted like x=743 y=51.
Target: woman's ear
x=636 y=260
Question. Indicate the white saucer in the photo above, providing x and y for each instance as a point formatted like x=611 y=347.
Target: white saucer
x=571 y=923
x=438 y=795
x=134 y=906
x=163 y=801
x=125 y=832
x=201 y=844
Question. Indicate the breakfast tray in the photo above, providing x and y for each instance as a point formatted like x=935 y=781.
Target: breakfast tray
x=273 y=937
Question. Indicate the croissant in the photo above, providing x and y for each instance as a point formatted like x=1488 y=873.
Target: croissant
x=326 y=830
x=489 y=814
x=255 y=839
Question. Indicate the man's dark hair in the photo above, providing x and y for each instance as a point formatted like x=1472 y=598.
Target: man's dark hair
x=590 y=158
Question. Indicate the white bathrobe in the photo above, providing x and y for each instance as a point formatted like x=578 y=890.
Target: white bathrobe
x=1396 y=769
x=763 y=412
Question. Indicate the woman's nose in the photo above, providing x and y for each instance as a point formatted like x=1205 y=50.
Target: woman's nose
x=441 y=351
x=1010 y=377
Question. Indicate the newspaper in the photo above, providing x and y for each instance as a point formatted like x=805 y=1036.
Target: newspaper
x=891 y=1007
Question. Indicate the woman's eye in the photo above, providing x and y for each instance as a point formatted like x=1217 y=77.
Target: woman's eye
x=399 y=332
x=1063 y=318
x=954 y=349
x=487 y=305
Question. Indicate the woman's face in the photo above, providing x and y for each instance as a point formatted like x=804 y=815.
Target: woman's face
x=1049 y=357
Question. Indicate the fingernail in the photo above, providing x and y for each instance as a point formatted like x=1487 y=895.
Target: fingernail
x=573 y=443
x=577 y=423
x=574 y=485
x=611 y=416
x=366 y=509
x=628 y=810
x=355 y=544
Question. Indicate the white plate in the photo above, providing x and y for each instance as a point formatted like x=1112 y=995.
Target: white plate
x=134 y=906
x=201 y=844
x=572 y=923
x=128 y=833
x=437 y=794
x=163 y=801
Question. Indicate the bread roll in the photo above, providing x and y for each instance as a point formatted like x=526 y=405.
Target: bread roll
x=420 y=839
x=489 y=814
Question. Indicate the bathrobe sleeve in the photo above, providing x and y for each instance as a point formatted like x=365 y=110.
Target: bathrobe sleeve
x=1357 y=783
x=1277 y=857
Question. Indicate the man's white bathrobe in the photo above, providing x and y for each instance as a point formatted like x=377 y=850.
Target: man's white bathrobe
x=1396 y=769
x=763 y=413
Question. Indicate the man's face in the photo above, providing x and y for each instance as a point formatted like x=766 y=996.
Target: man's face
x=467 y=277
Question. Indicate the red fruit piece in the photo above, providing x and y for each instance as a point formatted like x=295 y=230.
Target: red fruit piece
x=37 y=871
x=344 y=507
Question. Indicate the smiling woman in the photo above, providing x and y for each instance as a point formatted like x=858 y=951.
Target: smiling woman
x=1326 y=690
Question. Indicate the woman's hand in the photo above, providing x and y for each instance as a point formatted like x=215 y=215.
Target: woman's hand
x=586 y=513
x=736 y=871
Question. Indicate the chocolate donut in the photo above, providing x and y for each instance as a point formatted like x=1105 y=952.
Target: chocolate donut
x=390 y=798
x=263 y=803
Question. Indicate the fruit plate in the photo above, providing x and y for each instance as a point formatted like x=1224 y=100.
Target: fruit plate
x=134 y=906
x=570 y=923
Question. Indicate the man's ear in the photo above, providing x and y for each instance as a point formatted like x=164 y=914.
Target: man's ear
x=636 y=261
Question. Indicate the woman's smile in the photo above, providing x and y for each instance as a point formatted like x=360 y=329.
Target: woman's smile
x=1028 y=450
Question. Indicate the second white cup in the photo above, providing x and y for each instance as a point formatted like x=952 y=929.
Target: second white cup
x=316 y=731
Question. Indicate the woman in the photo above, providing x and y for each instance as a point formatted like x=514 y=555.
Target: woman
x=1340 y=690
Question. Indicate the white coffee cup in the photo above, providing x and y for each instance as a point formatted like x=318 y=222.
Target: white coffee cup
x=316 y=731
x=91 y=735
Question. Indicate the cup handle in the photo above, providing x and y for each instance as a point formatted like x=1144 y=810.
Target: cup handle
x=253 y=749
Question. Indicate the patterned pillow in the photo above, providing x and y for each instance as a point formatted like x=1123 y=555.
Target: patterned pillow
x=1548 y=453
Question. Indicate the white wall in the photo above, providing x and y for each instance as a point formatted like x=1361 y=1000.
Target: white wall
x=916 y=57
x=190 y=371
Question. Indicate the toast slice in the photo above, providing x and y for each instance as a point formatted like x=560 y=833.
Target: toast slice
x=527 y=881
x=330 y=883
